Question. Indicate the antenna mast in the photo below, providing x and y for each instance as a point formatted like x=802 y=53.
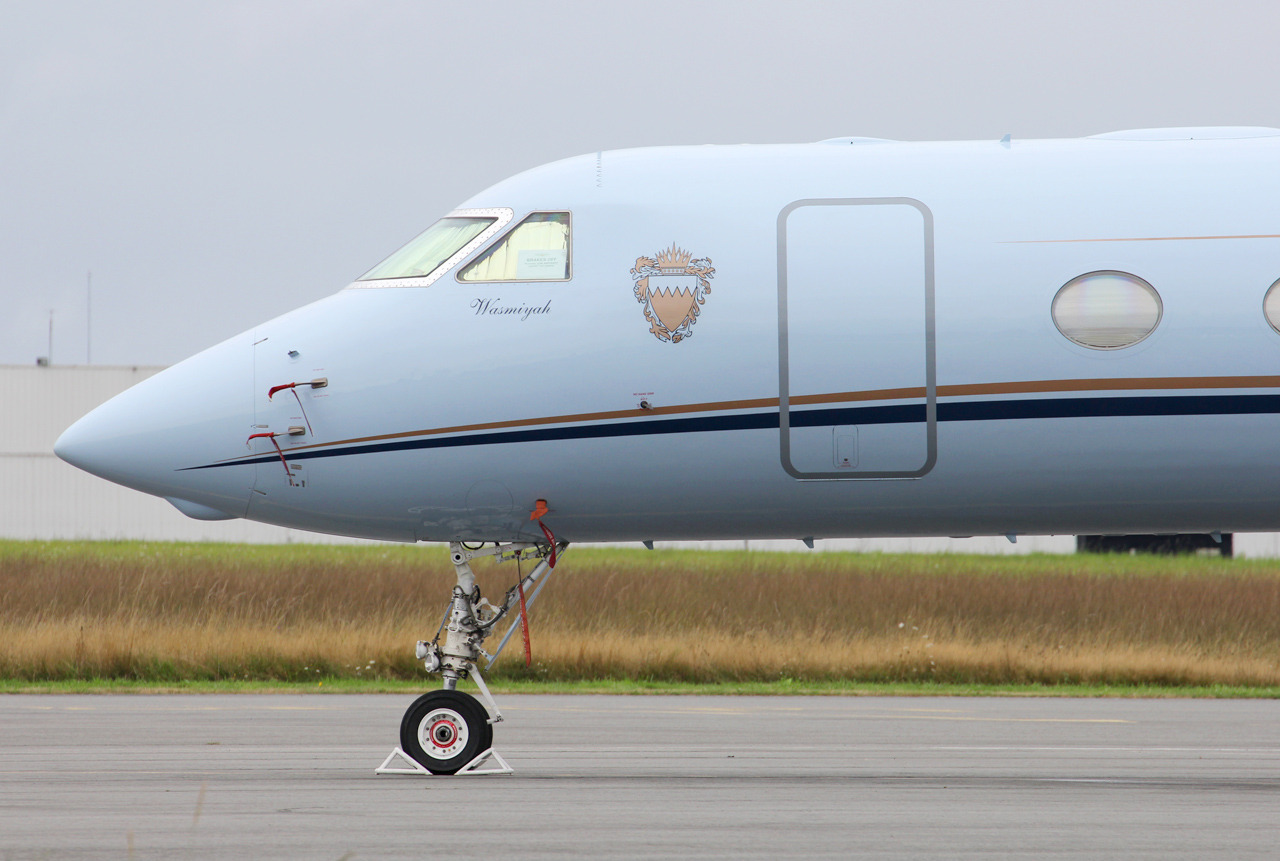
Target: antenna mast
x=88 y=319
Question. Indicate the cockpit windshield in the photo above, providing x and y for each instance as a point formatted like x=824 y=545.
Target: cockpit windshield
x=430 y=248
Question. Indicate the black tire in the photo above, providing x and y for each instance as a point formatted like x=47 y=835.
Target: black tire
x=445 y=730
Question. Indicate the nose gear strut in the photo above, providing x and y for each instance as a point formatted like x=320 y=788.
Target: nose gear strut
x=448 y=731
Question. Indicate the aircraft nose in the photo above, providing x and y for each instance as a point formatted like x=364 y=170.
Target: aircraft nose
x=81 y=446
x=155 y=436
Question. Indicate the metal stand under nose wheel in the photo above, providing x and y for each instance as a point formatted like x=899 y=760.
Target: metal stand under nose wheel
x=445 y=730
x=448 y=731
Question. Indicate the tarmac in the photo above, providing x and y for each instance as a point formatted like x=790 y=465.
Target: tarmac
x=292 y=776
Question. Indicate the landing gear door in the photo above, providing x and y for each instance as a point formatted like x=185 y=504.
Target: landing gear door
x=856 y=373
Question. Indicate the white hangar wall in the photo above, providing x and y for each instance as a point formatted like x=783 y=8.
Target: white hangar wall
x=43 y=498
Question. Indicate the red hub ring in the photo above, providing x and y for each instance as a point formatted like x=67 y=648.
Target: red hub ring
x=444 y=733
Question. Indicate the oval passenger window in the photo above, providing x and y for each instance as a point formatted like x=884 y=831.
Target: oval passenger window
x=1107 y=310
x=1271 y=306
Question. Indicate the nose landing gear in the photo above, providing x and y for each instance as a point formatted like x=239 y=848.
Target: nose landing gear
x=448 y=731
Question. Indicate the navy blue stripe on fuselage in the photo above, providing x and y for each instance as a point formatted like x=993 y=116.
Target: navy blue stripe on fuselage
x=962 y=411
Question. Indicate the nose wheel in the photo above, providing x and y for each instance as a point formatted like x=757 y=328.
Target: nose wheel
x=444 y=730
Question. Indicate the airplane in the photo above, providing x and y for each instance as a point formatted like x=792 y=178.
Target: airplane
x=850 y=338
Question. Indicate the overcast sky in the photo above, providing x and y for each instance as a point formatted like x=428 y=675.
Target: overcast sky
x=216 y=164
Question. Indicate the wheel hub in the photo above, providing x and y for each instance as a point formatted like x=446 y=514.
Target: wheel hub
x=443 y=733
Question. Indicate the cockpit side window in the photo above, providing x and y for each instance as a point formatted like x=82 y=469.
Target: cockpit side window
x=440 y=246
x=536 y=249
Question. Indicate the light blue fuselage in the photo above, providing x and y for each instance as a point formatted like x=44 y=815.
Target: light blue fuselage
x=873 y=354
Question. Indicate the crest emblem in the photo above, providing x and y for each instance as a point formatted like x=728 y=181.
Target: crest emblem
x=672 y=287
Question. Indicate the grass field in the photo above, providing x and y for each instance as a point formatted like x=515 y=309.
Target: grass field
x=201 y=613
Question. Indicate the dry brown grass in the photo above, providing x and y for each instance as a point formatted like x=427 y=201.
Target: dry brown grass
x=167 y=612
